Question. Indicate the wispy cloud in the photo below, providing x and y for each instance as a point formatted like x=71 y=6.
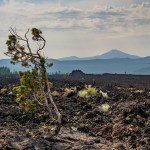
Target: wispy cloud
x=110 y=19
x=103 y=18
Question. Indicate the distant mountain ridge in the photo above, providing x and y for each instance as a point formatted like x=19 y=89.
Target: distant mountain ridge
x=70 y=58
x=95 y=66
x=114 y=53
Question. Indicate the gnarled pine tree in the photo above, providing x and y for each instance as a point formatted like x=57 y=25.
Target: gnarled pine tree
x=34 y=86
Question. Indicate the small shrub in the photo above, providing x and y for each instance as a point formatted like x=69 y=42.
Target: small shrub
x=3 y=90
x=55 y=94
x=139 y=91
x=104 y=94
x=104 y=107
x=89 y=91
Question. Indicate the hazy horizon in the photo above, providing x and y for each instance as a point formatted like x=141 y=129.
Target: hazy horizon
x=90 y=57
x=80 y=28
x=101 y=54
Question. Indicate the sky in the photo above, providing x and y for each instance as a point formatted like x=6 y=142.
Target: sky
x=80 y=27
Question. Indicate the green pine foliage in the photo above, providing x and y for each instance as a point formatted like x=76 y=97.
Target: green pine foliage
x=27 y=91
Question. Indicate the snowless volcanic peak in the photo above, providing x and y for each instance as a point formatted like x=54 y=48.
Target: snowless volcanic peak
x=114 y=53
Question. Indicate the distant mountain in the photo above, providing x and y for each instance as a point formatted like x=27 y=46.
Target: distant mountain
x=70 y=58
x=95 y=66
x=114 y=53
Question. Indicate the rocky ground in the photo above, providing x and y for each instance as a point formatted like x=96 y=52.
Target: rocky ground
x=123 y=125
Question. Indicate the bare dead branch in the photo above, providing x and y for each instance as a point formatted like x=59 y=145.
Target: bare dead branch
x=13 y=32
x=44 y=43
x=37 y=100
x=27 y=41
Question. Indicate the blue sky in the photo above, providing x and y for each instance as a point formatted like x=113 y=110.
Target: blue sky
x=80 y=27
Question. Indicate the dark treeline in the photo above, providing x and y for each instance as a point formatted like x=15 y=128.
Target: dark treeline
x=6 y=70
